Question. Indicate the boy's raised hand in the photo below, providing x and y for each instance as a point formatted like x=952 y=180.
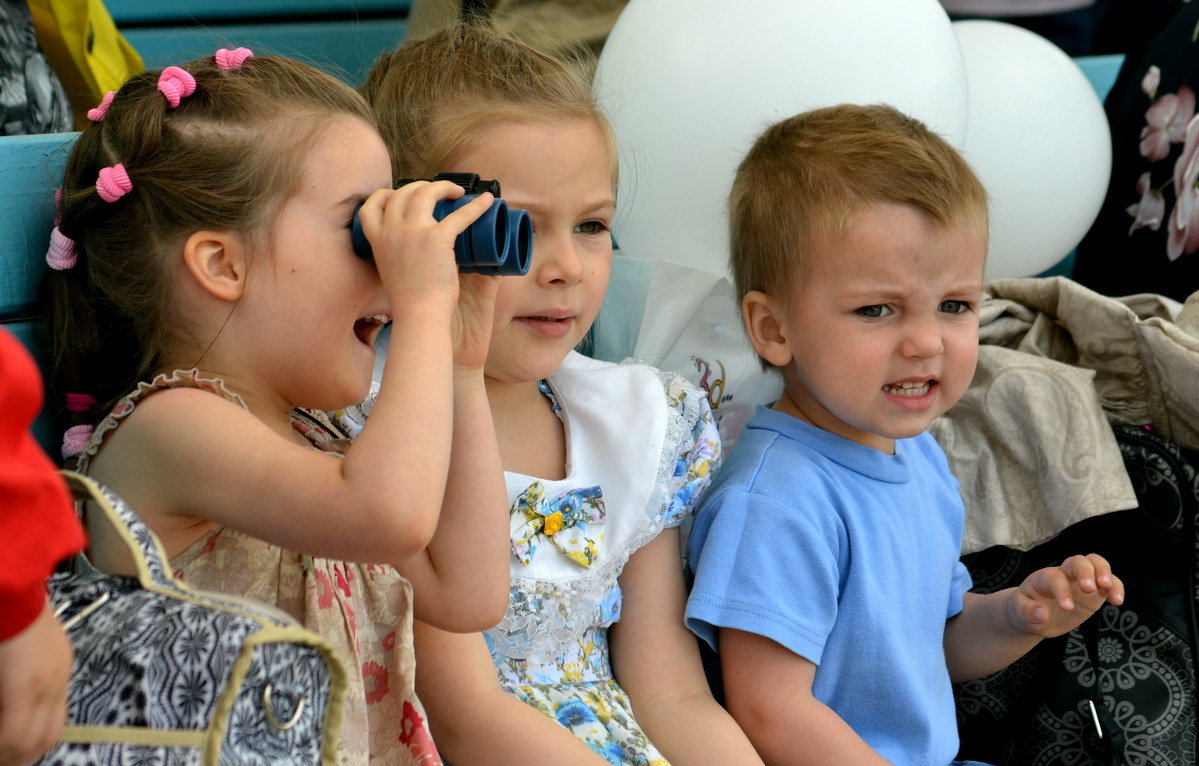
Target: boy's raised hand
x=1055 y=600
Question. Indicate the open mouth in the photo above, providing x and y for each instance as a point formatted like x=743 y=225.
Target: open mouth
x=367 y=328
x=910 y=389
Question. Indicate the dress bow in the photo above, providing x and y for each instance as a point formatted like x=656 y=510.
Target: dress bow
x=571 y=521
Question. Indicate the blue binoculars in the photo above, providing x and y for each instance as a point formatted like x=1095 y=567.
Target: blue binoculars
x=499 y=243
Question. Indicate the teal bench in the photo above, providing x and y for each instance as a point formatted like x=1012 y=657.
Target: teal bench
x=33 y=168
x=343 y=37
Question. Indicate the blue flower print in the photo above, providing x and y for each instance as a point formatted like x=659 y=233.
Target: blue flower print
x=612 y=754
x=574 y=713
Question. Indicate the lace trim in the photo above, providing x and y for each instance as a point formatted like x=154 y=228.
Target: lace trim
x=124 y=407
x=546 y=617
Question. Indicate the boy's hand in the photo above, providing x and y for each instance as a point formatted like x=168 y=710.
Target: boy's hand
x=1055 y=600
x=35 y=666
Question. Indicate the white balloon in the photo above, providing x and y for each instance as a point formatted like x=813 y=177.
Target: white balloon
x=689 y=85
x=1038 y=138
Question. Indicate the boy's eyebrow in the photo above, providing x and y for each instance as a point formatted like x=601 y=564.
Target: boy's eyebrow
x=886 y=292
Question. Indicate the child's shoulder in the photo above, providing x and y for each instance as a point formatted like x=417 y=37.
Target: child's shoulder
x=774 y=454
x=630 y=378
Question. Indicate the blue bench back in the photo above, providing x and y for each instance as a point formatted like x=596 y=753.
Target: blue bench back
x=343 y=37
x=33 y=168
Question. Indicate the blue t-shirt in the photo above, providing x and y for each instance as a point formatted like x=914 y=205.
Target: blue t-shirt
x=849 y=558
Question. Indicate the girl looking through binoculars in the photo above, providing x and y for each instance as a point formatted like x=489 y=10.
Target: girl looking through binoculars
x=602 y=462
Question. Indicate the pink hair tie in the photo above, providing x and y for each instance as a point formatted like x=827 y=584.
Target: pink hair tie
x=176 y=84
x=96 y=114
x=232 y=59
x=80 y=402
x=61 y=255
x=75 y=438
x=113 y=183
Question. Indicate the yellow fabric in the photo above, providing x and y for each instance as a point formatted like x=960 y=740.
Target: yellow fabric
x=84 y=48
x=133 y=735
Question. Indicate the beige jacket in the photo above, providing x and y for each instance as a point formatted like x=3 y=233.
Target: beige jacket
x=1031 y=442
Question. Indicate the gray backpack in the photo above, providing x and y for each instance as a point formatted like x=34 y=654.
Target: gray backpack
x=166 y=674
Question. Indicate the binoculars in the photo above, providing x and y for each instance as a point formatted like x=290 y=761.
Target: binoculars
x=499 y=243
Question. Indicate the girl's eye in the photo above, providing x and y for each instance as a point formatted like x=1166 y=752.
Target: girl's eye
x=877 y=311
x=591 y=227
x=954 y=307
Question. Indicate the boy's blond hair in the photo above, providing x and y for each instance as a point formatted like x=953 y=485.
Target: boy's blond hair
x=805 y=176
x=437 y=96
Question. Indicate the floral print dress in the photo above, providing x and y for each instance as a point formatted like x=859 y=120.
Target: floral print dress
x=364 y=611
x=640 y=447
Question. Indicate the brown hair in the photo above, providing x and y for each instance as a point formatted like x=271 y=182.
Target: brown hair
x=226 y=158
x=435 y=96
x=804 y=177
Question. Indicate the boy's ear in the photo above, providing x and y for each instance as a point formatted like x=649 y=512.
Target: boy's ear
x=761 y=314
x=217 y=261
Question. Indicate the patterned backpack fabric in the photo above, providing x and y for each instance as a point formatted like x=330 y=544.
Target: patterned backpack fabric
x=1120 y=690
x=165 y=674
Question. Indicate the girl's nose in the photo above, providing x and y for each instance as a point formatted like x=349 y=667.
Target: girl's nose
x=555 y=260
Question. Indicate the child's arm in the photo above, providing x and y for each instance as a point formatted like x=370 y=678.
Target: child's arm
x=187 y=458
x=460 y=582
x=995 y=629
x=35 y=665
x=473 y=720
x=656 y=660
x=768 y=690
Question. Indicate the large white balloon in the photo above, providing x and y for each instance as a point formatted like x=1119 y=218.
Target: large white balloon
x=1038 y=138
x=689 y=84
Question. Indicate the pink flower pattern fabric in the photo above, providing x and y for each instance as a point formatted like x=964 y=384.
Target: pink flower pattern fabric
x=1146 y=236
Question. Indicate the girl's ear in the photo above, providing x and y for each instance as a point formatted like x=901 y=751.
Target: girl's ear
x=217 y=261
x=761 y=315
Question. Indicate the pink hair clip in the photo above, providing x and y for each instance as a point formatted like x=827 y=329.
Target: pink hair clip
x=113 y=183
x=232 y=59
x=80 y=402
x=96 y=114
x=176 y=84
x=74 y=439
x=61 y=255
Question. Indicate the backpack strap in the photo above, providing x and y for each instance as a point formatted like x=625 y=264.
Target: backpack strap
x=149 y=556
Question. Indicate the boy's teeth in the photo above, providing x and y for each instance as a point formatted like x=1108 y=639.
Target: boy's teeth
x=907 y=388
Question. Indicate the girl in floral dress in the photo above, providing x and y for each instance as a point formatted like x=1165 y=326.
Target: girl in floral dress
x=207 y=304
x=602 y=461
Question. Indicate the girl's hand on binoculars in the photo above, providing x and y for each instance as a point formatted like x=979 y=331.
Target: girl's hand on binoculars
x=413 y=251
x=473 y=320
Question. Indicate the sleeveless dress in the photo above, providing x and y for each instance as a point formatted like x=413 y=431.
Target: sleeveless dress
x=640 y=447
x=363 y=610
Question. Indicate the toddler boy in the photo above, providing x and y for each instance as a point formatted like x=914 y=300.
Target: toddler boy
x=826 y=553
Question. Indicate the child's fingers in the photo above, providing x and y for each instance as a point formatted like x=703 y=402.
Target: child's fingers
x=1114 y=590
x=1028 y=610
x=371 y=212
x=1055 y=584
x=1082 y=570
x=1103 y=570
x=464 y=216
